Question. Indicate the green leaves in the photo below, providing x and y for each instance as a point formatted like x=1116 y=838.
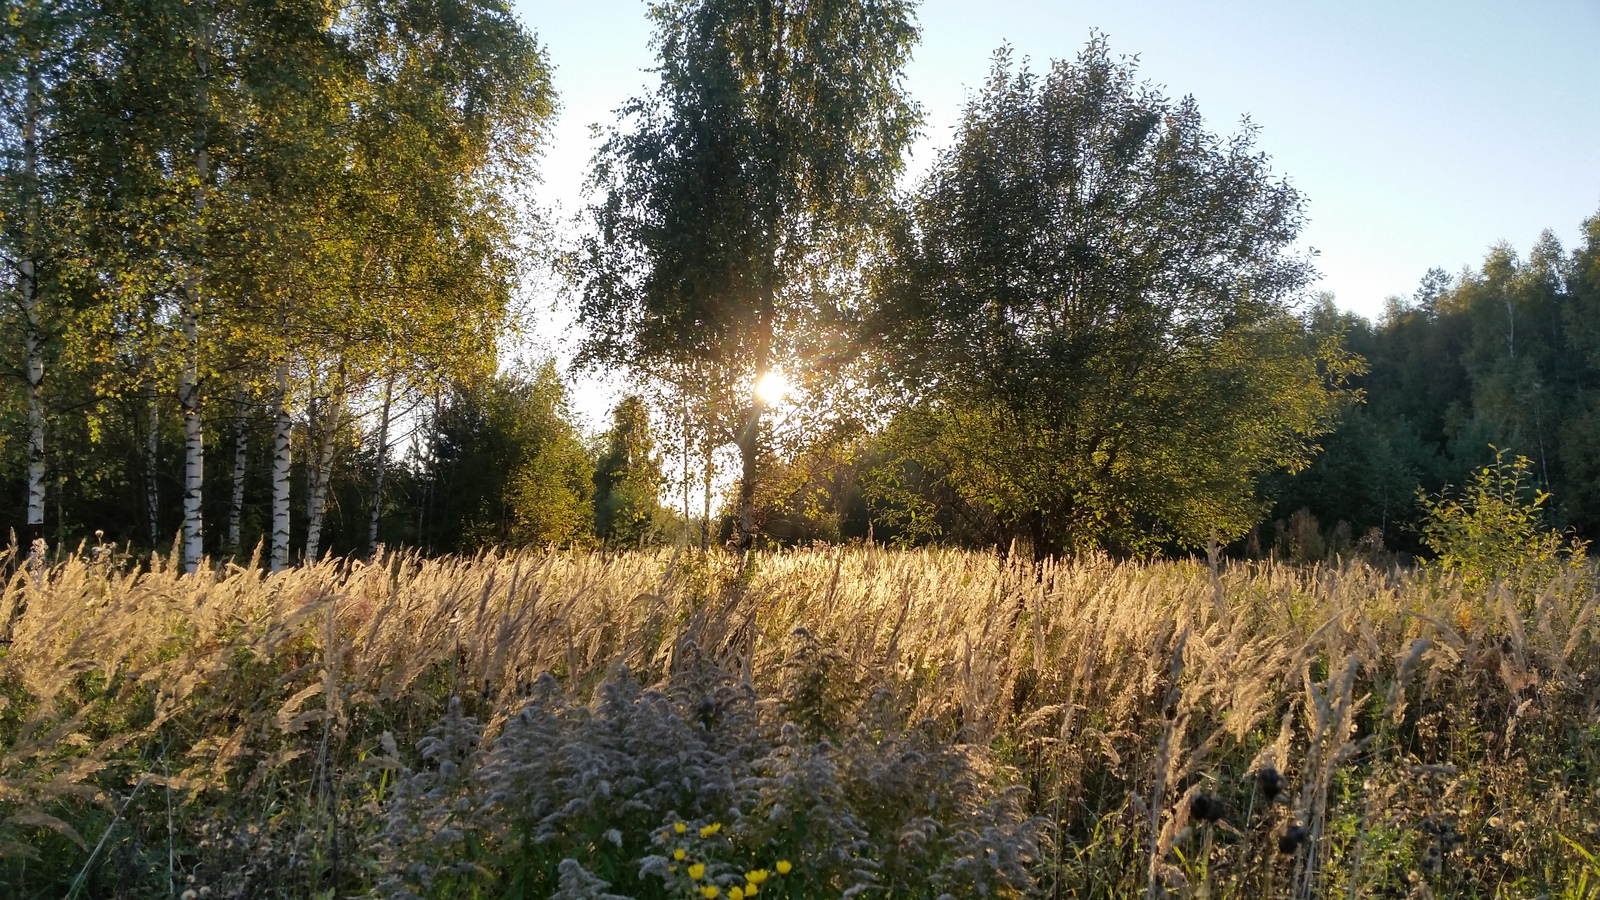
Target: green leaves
x=1090 y=314
x=628 y=479
x=1494 y=528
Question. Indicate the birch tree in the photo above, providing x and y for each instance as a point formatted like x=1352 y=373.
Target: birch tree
x=455 y=99
x=731 y=198
x=34 y=51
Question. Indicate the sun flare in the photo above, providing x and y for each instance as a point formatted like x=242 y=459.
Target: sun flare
x=772 y=388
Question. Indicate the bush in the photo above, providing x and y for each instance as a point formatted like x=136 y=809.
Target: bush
x=577 y=800
x=1494 y=529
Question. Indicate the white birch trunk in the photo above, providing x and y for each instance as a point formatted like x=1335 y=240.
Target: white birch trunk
x=240 y=458
x=282 y=425
x=326 y=427
x=194 y=453
x=189 y=379
x=32 y=325
x=377 y=477
x=152 y=463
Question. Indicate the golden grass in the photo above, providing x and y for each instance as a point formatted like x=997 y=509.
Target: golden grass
x=1434 y=743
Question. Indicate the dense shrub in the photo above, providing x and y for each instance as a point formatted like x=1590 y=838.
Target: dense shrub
x=597 y=789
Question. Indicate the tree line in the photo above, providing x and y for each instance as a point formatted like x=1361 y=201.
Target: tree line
x=228 y=224
x=289 y=235
x=1500 y=357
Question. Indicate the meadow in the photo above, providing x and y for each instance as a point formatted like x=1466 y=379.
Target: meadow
x=831 y=722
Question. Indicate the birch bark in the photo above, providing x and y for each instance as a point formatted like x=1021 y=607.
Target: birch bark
x=32 y=325
x=240 y=458
x=189 y=378
x=152 y=463
x=282 y=426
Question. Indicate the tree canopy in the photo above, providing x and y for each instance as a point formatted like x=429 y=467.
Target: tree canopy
x=1090 y=313
x=738 y=192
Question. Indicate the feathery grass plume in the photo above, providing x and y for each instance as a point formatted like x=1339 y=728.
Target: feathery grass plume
x=897 y=722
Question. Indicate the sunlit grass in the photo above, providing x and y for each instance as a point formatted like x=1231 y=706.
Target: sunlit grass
x=1425 y=737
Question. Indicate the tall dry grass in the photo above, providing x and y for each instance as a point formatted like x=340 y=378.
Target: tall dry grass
x=1256 y=731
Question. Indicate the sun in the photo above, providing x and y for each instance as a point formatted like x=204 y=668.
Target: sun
x=772 y=387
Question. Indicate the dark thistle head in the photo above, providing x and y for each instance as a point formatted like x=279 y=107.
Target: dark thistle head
x=1270 y=782
x=1207 y=808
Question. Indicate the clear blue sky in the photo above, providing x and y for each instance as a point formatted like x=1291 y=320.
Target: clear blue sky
x=1421 y=131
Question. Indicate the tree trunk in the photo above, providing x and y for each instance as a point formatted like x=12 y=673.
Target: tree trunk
x=377 y=477
x=750 y=439
x=32 y=325
x=326 y=427
x=189 y=379
x=705 y=520
x=152 y=463
x=236 y=502
x=688 y=458
x=282 y=426
x=194 y=453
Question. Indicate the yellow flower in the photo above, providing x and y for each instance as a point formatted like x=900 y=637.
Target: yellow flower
x=784 y=867
x=678 y=854
x=756 y=877
x=697 y=871
x=679 y=827
x=750 y=890
x=735 y=893
x=711 y=829
x=709 y=892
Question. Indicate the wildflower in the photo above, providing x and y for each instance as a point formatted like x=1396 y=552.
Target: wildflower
x=783 y=867
x=679 y=827
x=735 y=893
x=711 y=829
x=710 y=892
x=750 y=890
x=756 y=876
x=678 y=854
x=697 y=871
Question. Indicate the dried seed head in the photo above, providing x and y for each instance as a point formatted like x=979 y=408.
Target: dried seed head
x=1292 y=838
x=1270 y=782
x=1207 y=808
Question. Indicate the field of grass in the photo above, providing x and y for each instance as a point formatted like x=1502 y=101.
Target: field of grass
x=885 y=724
